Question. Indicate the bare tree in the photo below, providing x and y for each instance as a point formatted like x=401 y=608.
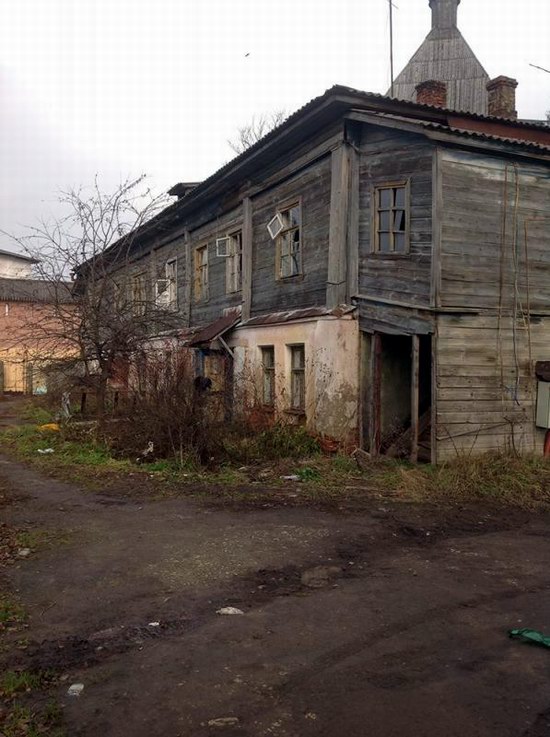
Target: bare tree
x=258 y=127
x=94 y=323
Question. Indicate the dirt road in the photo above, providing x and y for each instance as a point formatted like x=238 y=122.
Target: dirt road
x=402 y=631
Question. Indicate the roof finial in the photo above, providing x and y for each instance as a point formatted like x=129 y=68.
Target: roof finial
x=444 y=14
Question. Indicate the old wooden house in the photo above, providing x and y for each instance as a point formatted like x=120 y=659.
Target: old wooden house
x=376 y=268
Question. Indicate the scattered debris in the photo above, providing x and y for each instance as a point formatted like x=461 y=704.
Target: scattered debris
x=24 y=552
x=50 y=427
x=76 y=689
x=316 y=578
x=45 y=451
x=294 y=477
x=154 y=624
x=229 y=610
x=363 y=459
x=531 y=636
x=223 y=722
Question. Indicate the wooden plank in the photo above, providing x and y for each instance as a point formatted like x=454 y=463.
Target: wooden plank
x=376 y=394
x=415 y=379
x=338 y=228
x=247 y=235
x=353 y=226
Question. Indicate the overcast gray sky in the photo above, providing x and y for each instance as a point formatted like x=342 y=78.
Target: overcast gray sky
x=121 y=87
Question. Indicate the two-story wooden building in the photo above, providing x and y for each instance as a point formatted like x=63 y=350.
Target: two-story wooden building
x=376 y=268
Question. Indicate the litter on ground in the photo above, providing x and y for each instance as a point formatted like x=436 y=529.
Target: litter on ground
x=229 y=610
x=531 y=636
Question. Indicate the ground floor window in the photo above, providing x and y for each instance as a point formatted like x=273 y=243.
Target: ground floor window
x=297 y=377
x=268 y=375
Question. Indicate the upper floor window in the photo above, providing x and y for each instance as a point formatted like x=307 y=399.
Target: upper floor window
x=201 y=273
x=139 y=294
x=391 y=227
x=286 y=228
x=234 y=263
x=166 y=290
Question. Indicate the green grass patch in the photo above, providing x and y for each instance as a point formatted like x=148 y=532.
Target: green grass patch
x=15 y=682
x=21 y=721
x=11 y=612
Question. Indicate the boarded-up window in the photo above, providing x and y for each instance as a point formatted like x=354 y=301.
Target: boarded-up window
x=139 y=294
x=201 y=273
x=297 y=377
x=268 y=375
x=289 y=243
x=391 y=232
x=234 y=263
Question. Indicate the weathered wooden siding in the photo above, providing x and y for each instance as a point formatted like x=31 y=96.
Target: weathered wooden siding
x=312 y=186
x=495 y=239
x=494 y=267
x=218 y=298
x=485 y=386
x=391 y=156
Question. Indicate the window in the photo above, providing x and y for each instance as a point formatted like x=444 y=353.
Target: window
x=297 y=377
x=166 y=296
x=391 y=219
x=139 y=294
x=201 y=273
x=268 y=375
x=234 y=267
x=289 y=245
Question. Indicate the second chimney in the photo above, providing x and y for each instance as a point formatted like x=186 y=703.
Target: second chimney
x=502 y=98
x=432 y=92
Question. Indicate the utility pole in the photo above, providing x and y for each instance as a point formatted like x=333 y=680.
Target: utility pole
x=391 y=46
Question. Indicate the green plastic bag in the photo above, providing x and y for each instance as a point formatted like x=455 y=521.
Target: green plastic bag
x=531 y=636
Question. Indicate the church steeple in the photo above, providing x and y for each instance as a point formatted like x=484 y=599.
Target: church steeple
x=444 y=14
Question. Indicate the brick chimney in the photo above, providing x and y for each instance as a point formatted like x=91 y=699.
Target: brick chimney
x=444 y=14
x=432 y=92
x=502 y=98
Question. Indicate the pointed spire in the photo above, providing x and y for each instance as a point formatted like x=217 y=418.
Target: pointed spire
x=444 y=14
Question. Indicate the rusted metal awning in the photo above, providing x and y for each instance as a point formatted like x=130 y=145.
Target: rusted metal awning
x=215 y=330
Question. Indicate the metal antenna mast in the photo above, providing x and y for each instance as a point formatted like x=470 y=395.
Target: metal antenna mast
x=391 y=46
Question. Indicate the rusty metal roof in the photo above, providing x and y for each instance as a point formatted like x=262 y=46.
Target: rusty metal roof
x=215 y=329
x=274 y=318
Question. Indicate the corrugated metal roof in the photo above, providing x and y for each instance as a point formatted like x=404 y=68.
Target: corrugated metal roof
x=34 y=290
x=274 y=318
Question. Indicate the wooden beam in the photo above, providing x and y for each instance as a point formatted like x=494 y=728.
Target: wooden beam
x=353 y=226
x=375 y=394
x=415 y=403
x=247 y=258
x=188 y=281
x=337 y=287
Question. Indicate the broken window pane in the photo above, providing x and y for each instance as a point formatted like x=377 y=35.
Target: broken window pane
x=399 y=220
x=268 y=367
x=289 y=244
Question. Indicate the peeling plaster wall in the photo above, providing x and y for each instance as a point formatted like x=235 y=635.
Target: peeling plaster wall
x=332 y=371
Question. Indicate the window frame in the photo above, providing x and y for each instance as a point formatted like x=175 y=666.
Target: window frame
x=139 y=307
x=268 y=374
x=172 y=286
x=282 y=208
x=299 y=408
x=201 y=291
x=375 y=218
x=234 y=277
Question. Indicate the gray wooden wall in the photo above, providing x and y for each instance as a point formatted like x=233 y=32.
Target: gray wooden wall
x=494 y=276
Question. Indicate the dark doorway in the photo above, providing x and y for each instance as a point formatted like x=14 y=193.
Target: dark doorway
x=400 y=391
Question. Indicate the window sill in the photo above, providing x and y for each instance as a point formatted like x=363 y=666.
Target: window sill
x=397 y=256
x=286 y=279
x=296 y=412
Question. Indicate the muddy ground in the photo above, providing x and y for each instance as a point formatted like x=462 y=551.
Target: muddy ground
x=389 y=621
